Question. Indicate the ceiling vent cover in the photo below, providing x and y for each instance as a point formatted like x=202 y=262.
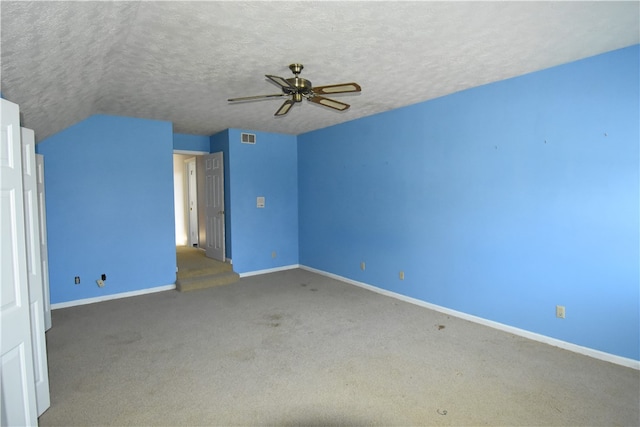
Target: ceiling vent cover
x=248 y=138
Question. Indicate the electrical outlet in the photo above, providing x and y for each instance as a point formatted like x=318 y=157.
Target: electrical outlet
x=77 y=280
x=402 y=275
x=100 y=283
x=560 y=311
x=104 y=277
x=362 y=266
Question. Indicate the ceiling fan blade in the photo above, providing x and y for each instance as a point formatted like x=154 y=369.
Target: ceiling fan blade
x=339 y=88
x=280 y=81
x=255 y=98
x=284 y=109
x=331 y=103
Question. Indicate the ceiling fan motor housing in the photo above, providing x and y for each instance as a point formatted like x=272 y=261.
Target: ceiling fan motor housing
x=302 y=88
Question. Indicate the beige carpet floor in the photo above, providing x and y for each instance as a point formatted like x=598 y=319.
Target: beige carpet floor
x=294 y=348
x=193 y=261
x=196 y=271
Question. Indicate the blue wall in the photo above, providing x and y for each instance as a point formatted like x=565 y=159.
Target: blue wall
x=109 y=196
x=269 y=169
x=183 y=141
x=502 y=201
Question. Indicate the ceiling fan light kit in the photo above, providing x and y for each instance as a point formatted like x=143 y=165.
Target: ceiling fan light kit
x=298 y=89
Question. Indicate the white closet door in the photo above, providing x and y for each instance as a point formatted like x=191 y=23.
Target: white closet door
x=44 y=251
x=34 y=269
x=18 y=402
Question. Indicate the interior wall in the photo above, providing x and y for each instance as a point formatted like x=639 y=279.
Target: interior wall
x=262 y=238
x=187 y=142
x=502 y=201
x=110 y=206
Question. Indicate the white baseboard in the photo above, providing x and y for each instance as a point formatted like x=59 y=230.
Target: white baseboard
x=597 y=354
x=270 y=270
x=112 y=296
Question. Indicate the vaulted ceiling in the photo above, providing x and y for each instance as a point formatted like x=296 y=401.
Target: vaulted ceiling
x=180 y=61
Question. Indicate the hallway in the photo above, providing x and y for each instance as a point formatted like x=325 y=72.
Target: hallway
x=196 y=271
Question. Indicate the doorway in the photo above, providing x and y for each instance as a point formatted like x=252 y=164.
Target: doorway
x=186 y=197
x=199 y=202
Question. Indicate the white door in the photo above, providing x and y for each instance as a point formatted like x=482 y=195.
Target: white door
x=44 y=251
x=18 y=405
x=214 y=209
x=192 y=196
x=34 y=268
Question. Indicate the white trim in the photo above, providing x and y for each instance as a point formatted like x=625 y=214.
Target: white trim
x=270 y=270
x=189 y=152
x=112 y=296
x=596 y=354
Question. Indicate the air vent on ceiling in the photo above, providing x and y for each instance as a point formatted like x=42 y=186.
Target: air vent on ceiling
x=248 y=138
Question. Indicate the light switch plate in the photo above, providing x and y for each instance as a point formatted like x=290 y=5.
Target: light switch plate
x=260 y=201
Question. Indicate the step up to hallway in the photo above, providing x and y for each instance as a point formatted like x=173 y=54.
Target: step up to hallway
x=196 y=271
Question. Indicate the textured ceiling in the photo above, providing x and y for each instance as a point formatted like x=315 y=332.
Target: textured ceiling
x=180 y=61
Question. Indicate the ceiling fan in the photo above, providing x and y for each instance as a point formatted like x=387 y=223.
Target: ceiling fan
x=298 y=88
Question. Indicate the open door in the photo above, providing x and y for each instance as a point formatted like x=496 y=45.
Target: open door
x=34 y=269
x=18 y=406
x=214 y=206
